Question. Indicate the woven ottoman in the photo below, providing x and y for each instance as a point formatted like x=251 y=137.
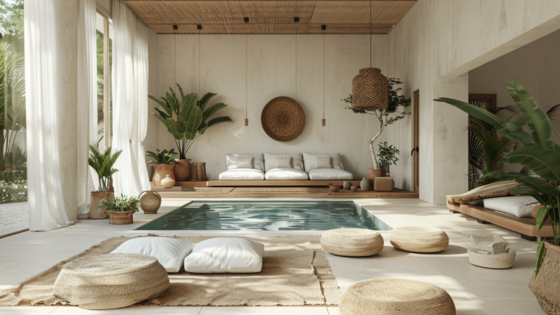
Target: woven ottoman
x=419 y=239
x=111 y=281
x=352 y=242
x=395 y=296
x=383 y=184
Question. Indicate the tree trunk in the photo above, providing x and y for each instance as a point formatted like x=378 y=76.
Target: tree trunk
x=375 y=162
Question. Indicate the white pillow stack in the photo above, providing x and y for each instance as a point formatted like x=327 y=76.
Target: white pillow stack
x=225 y=255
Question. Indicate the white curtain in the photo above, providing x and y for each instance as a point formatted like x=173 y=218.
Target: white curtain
x=87 y=100
x=130 y=100
x=46 y=207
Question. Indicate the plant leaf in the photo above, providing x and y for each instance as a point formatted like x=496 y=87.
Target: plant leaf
x=215 y=121
x=194 y=121
x=538 y=184
x=544 y=162
x=204 y=100
x=542 y=215
x=212 y=110
x=540 y=255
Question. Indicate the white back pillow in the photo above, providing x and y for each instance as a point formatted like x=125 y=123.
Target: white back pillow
x=519 y=206
x=323 y=162
x=232 y=161
x=170 y=252
x=225 y=255
x=283 y=162
x=270 y=161
x=244 y=162
x=309 y=160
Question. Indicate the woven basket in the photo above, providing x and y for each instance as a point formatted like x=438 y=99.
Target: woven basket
x=352 y=242
x=150 y=201
x=111 y=281
x=383 y=184
x=395 y=296
x=370 y=90
x=492 y=261
x=419 y=239
x=283 y=119
x=546 y=285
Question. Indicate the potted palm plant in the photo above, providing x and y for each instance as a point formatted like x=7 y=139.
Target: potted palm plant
x=398 y=103
x=102 y=163
x=387 y=155
x=186 y=118
x=121 y=209
x=539 y=153
x=163 y=163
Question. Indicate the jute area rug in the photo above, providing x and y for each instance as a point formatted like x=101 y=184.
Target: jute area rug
x=295 y=273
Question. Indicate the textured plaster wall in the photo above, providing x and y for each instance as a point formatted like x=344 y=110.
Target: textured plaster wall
x=432 y=49
x=271 y=68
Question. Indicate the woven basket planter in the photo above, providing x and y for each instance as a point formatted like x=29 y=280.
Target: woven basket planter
x=111 y=281
x=150 y=201
x=546 y=285
x=419 y=239
x=370 y=90
x=492 y=261
x=352 y=242
x=395 y=296
x=121 y=217
x=384 y=184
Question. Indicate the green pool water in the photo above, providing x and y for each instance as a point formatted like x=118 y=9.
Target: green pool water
x=267 y=215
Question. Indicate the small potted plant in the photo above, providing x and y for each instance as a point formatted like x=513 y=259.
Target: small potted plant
x=387 y=155
x=121 y=209
x=164 y=165
x=102 y=163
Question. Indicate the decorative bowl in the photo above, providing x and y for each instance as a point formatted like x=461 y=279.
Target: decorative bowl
x=334 y=188
x=354 y=188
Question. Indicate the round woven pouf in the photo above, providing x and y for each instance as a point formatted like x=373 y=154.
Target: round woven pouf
x=352 y=242
x=111 y=281
x=395 y=296
x=419 y=239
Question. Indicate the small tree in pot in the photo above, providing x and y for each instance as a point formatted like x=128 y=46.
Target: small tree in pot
x=163 y=163
x=121 y=209
x=387 y=155
x=102 y=163
x=398 y=103
x=186 y=119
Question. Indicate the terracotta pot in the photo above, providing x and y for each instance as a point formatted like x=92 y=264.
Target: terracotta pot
x=334 y=188
x=182 y=169
x=354 y=188
x=122 y=217
x=372 y=173
x=546 y=285
x=160 y=172
x=96 y=198
x=150 y=201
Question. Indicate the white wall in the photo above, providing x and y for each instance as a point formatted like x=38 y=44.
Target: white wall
x=271 y=72
x=432 y=49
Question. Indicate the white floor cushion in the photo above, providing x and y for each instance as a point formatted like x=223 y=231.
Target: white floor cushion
x=242 y=174
x=169 y=252
x=225 y=255
x=329 y=174
x=519 y=206
x=285 y=174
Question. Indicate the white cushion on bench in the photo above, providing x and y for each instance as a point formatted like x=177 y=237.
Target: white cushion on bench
x=242 y=174
x=329 y=174
x=286 y=174
x=270 y=160
x=169 y=252
x=225 y=255
x=310 y=161
x=519 y=206
x=258 y=160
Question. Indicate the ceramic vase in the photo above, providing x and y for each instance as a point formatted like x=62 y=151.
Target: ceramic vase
x=182 y=169
x=150 y=201
x=167 y=182
x=373 y=173
x=346 y=185
x=365 y=184
x=160 y=173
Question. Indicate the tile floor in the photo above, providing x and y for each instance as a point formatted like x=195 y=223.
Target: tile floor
x=474 y=290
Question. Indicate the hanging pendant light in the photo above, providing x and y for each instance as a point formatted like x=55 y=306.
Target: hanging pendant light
x=370 y=88
x=246 y=78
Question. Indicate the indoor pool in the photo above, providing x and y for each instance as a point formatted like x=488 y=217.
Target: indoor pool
x=267 y=215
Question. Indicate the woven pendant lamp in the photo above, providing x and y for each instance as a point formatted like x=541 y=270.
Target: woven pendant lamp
x=370 y=89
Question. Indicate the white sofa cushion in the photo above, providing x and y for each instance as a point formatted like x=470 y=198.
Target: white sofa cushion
x=310 y=162
x=286 y=174
x=270 y=161
x=225 y=255
x=519 y=206
x=242 y=174
x=283 y=161
x=258 y=160
x=329 y=174
x=323 y=162
x=244 y=162
x=170 y=252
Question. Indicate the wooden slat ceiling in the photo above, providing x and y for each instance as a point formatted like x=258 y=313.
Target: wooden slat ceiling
x=271 y=16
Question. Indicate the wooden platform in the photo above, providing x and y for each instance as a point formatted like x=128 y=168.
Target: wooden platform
x=276 y=183
x=275 y=192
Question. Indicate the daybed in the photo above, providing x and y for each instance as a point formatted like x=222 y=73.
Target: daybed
x=284 y=167
x=507 y=212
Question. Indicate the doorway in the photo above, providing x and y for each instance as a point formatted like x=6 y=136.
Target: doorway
x=416 y=144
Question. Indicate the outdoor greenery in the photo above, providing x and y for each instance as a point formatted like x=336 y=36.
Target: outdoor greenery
x=537 y=152
x=387 y=155
x=100 y=76
x=187 y=118
x=398 y=103
x=120 y=204
x=103 y=163
x=163 y=157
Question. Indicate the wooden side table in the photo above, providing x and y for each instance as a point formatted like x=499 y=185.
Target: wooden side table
x=198 y=172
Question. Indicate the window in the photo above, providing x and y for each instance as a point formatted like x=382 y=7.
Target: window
x=104 y=66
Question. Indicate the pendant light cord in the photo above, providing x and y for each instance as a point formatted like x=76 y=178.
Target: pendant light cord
x=296 y=51
x=199 y=65
x=246 y=75
x=369 y=33
x=323 y=76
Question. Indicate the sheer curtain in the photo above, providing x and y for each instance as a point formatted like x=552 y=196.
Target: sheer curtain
x=130 y=97
x=46 y=207
x=87 y=100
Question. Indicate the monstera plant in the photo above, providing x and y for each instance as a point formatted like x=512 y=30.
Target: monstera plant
x=186 y=118
x=539 y=153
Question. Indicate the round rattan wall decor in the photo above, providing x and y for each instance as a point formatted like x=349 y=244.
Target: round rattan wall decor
x=283 y=119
